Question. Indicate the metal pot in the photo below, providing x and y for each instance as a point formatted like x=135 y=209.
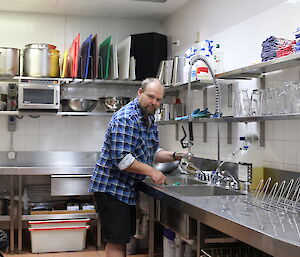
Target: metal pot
x=41 y=60
x=9 y=61
x=4 y=203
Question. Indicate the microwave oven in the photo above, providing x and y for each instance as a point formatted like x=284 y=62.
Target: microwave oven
x=41 y=96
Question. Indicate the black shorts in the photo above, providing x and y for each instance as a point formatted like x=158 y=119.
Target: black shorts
x=118 y=219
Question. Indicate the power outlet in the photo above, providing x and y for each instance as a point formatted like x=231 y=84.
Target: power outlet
x=11 y=155
x=11 y=124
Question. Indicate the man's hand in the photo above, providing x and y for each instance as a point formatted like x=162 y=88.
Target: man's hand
x=181 y=154
x=157 y=176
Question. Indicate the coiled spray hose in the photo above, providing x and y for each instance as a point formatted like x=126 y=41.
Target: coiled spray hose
x=215 y=82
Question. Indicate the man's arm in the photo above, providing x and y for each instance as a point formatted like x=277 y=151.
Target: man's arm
x=167 y=156
x=141 y=168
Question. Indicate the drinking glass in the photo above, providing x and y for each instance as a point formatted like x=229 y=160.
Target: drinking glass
x=255 y=102
x=241 y=104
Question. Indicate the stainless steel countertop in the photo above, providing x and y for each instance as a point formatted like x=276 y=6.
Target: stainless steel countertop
x=274 y=233
x=46 y=170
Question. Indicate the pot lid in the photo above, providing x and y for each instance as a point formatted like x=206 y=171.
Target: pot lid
x=40 y=46
x=4 y=47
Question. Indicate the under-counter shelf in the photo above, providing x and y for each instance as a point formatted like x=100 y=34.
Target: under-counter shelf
x=59 y=216
x=256 y=70
x=293 y=116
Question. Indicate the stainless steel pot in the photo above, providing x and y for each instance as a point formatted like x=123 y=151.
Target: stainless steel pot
x=41 y=60
x=9 y=61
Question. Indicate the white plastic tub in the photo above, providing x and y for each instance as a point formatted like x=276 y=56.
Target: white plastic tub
x=58 y=235
x=58 y=239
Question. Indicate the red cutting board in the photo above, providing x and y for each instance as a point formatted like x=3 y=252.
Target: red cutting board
x=74 y=54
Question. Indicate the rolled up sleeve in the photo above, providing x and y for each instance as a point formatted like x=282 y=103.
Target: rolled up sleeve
x=123 y=136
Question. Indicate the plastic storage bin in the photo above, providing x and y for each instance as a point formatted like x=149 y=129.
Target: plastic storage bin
x=58 y=235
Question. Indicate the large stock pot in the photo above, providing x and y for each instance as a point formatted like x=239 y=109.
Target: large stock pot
x=41 y=60
x=9 y=61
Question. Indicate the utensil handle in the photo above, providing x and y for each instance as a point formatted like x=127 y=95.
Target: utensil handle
x=191 y=131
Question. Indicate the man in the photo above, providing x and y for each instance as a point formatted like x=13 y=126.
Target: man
x=3 y=242
x=130 y=148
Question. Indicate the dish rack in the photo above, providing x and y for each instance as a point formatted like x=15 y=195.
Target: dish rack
x=234 y=251
x=283 y=197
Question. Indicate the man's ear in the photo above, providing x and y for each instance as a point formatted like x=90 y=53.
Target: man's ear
x=140 y=91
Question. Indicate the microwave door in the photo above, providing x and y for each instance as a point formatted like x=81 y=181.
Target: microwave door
x=39 y=99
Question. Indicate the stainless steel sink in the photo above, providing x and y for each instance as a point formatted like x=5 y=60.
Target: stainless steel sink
x=178 y=181
x=201 y=190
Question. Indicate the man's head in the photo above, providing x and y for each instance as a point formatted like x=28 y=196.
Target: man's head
x=150 y=95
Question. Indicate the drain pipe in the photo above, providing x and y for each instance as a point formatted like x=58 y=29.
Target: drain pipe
x=218 y=103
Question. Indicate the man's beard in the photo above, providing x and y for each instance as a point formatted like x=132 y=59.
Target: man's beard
x=147 y=111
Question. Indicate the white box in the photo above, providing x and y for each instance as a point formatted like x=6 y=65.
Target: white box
x=59 y=238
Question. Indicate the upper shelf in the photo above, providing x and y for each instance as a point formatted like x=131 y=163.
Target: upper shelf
x=34 y=113
x=256 y=70
x=195 y=85
x=75 y=81
x=199 y=84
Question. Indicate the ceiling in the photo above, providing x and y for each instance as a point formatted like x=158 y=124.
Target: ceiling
x=136 y=9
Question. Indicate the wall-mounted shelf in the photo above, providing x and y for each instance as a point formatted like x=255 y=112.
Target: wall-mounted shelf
x=236 y=119
x=75 y=81
x=16 y=113
x=99 y=82
x=195 y=85
x=256 y=70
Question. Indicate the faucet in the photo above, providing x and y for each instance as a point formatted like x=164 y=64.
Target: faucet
x=189 y=110
x=186 y=160
x=228 y=176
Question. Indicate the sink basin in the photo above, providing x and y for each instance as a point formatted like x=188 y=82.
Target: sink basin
x=201 y=190
x=177 y=181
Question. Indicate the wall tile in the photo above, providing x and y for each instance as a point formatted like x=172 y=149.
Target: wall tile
x=46 y=142
x=290 y=152
x=59 y=142
x=32 y=142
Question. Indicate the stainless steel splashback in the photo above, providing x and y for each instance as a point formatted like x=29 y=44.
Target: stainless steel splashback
x=53 y=159
x=208 y=164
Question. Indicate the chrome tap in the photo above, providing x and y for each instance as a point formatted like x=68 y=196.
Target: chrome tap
x=218 y=101
x=227 y=176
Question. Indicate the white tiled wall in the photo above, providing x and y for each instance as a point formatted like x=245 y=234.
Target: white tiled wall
x=54 y=133
x=241 y=44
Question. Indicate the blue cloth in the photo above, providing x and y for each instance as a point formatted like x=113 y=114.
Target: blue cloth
x=127 y=133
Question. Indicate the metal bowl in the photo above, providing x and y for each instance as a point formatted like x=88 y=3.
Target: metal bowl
x=78 y=105
x=166 y=167
x=113 y=103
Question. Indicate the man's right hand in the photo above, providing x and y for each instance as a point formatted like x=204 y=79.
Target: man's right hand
x=157 y=176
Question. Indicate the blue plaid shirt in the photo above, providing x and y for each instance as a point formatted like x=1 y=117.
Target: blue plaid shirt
x=128 y=134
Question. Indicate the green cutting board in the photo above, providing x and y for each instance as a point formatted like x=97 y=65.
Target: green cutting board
x=104 y=54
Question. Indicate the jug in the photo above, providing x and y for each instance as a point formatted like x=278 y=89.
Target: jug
x=241 y=104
